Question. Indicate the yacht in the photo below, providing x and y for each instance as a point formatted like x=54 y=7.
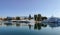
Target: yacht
x=52 y=20
x=8 y=22
x=21 y=21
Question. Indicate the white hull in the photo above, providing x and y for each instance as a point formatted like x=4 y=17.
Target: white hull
x=52 y=20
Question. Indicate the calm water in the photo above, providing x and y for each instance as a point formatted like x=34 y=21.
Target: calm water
x=27 y=29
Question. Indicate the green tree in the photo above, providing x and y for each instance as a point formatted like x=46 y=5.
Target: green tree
x=39 y=17
x=44 y=18
x=17 y=18
x=35 y=17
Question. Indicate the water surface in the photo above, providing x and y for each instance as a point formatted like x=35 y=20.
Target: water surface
x=27 y=29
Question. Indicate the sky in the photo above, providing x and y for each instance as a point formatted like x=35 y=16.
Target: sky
x=25 y=7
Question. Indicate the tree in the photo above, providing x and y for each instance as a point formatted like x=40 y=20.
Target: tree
x=44 y=18
x=39 y=17
x=17 y=18
x=35 y=17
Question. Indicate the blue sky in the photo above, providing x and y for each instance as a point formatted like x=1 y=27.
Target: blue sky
x=26 y=7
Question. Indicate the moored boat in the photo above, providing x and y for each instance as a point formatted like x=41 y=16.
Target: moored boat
x=52 y=20
x=21 y=21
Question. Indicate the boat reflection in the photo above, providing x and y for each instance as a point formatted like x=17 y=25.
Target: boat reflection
x=8 y=24
x=36 y=26
x=53 y=25
x=39 y=25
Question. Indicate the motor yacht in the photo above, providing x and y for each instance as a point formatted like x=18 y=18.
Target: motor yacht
x=52 y=20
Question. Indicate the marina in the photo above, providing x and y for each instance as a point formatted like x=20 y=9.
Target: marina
x=29 y=17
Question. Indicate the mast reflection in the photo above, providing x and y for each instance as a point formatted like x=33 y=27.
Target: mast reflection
x=53 y=25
